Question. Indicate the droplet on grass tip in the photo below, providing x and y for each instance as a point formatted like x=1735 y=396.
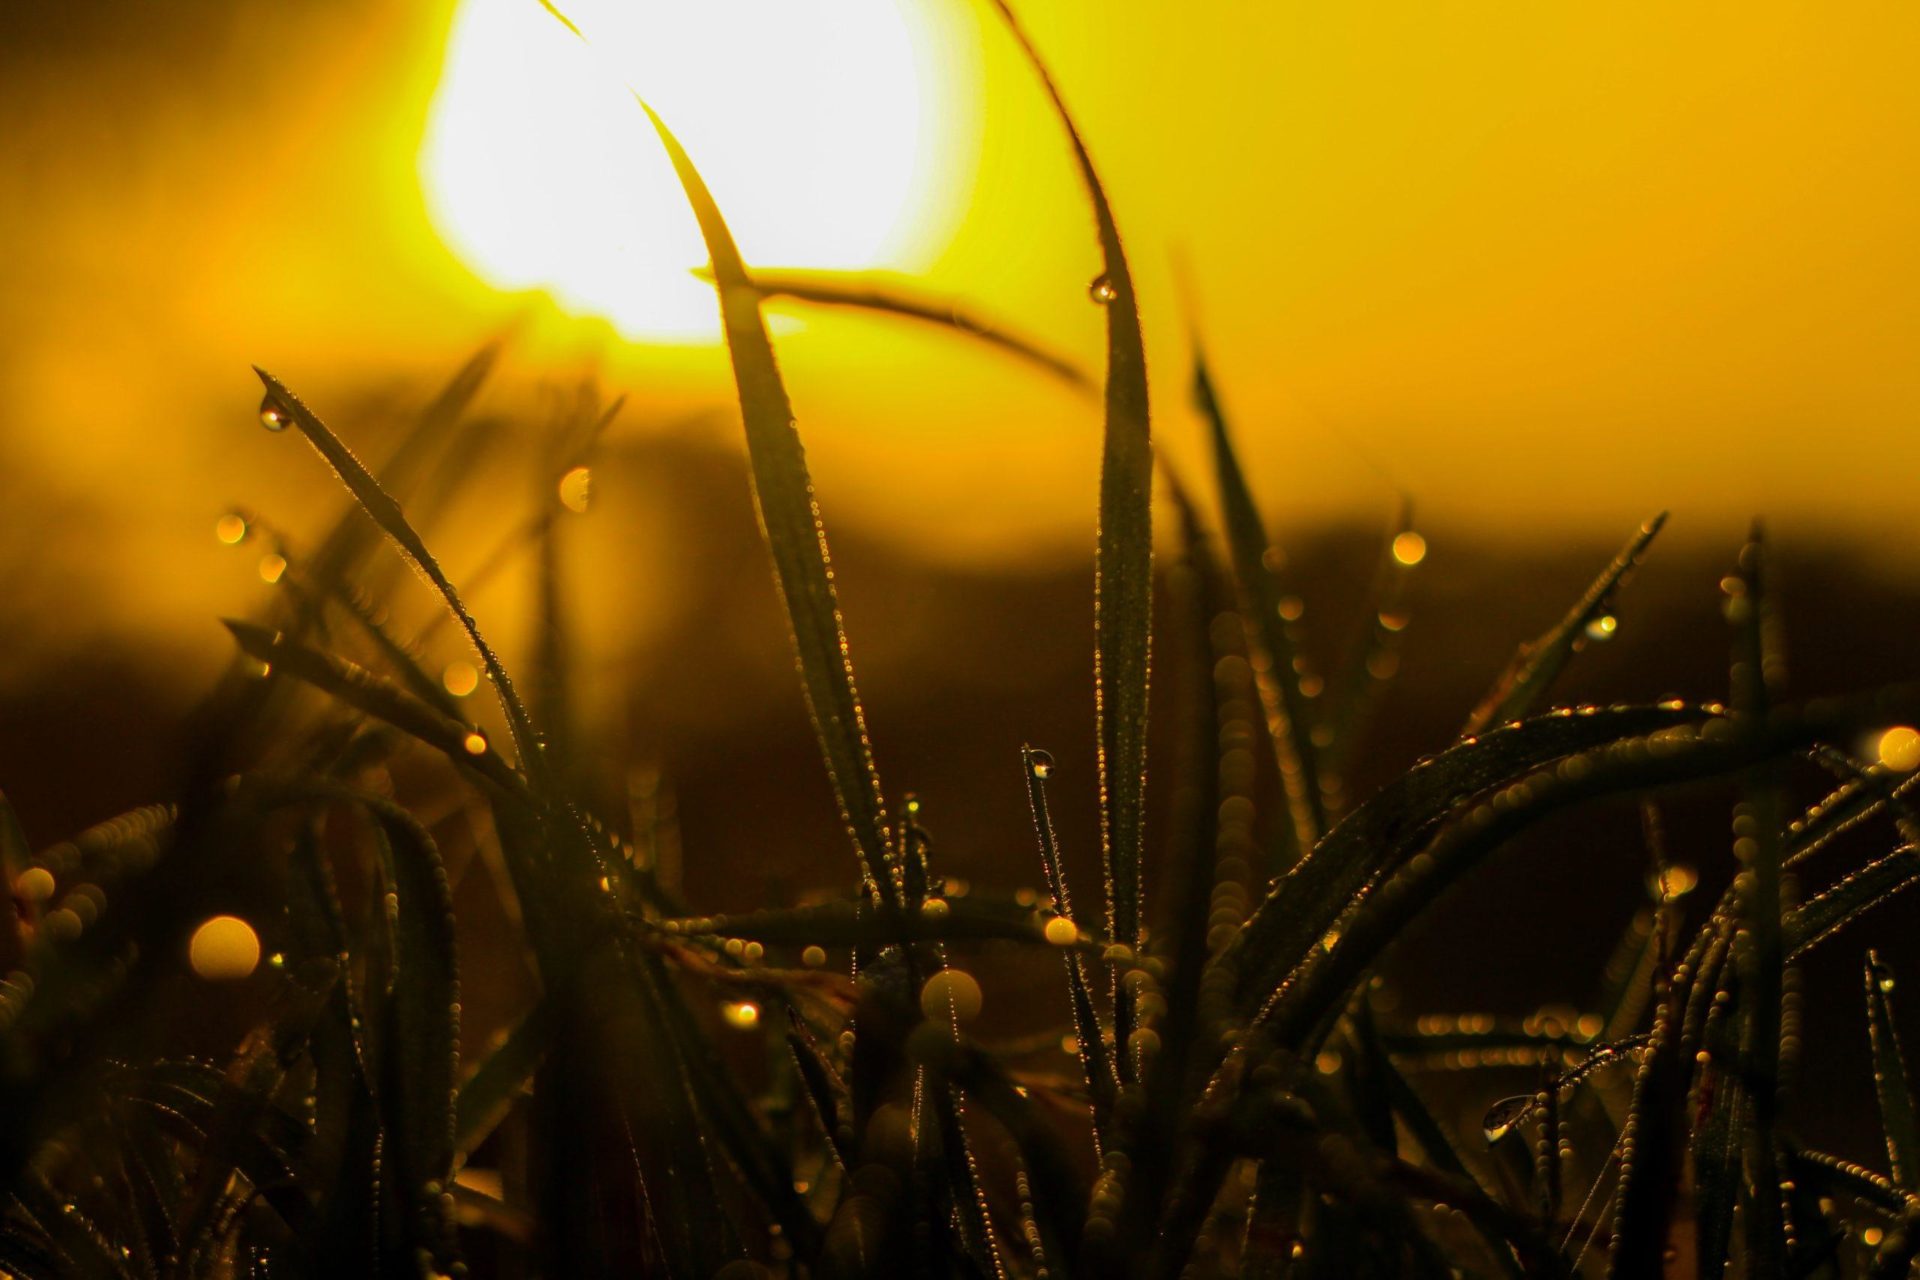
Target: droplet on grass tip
x=1041 y=762
x=224 y=949
x=1101 y=289
x=273 y=414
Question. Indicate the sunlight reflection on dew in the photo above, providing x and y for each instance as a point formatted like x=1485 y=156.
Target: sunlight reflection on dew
x=576 y=490
x=1409 y=548
x=460 y=679
x=231 y=529
x=1899 y=749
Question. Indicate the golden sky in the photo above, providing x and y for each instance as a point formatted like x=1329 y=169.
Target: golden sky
x=1547 y=268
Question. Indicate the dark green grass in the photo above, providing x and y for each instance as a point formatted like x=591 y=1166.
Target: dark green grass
x=1244 y=1104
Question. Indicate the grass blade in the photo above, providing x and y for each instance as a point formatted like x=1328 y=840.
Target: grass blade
x=486 y=1096
x=865 y=292
x=387 y=514
x=1890 y=1080
x=1267 y=605
x=1123 y=563
x=1537 y=664
x=790 y=521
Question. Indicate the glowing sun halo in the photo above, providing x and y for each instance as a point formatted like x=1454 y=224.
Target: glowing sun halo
x=818 y=124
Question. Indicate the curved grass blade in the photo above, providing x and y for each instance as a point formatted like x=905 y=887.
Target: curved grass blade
x=865 y=924
x=1380 y=834
x=790 y=520
x=862 y=291
x=378 y=697
x=387 y=514
x=1267 y=606
x=1123 y=562
x=1537 y=664
x=1890 y=1081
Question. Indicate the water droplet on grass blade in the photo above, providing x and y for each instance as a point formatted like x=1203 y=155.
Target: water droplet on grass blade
x=231 y=528
x=1041 y=763
x=273 y=414
x=1503 y=1115
x=1101 y=289
x=576 y=490
x=1603 y=627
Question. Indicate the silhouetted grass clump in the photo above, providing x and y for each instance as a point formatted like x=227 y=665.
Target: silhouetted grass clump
x=1227 y=1092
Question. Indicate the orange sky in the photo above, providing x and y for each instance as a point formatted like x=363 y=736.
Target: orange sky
x=1547 y=269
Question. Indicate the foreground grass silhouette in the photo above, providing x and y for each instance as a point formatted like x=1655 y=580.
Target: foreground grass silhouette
x=1242 y=1105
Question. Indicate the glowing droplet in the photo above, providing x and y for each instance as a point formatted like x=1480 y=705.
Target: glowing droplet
x=935 y=908
x=1327 y=1062
x=576 y=489
x=813 y=957
x=475 y=743
x=1409 y=548
x=1062 y=932
x=460 y=678
x=224 y=948
x=1101 y=289
x=1603 y=627
x=1672 y=882
x=231 y=529
x=1899 y=749
x=272 y=567
x=35 y=884
x=744 y=1014
x=1041 y=762
x=1872 y=1236
x=950 y=995
x=273 y=414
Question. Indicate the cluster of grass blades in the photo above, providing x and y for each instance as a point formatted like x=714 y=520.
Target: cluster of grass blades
x=1245 y=1104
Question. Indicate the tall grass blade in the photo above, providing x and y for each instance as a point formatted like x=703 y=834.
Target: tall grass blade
x=486 y=1096
x=790 y=520
x=1267 y=604
x=1123 y=563
x=1535 y=667
x=1891 y=1083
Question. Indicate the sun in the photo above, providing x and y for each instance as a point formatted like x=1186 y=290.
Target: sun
x=825 y=129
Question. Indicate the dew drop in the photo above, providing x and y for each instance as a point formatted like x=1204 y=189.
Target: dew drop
x=951 y=994
x=1409 y=548
x=1503 y=1115
x=1041 y=763
x=224 y=948
x=231 y=528
x=1603 y=627
x=744 y=1014
x=460 y=679
x=475 y=742
x=1101 y=289
x=35 y=884
x=813 y=957
x=1899 y=749
x=272 y=567
x=273 y=414
x=1062 y=932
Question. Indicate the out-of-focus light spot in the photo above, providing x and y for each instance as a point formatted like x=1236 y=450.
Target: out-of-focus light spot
x=231 y=529
x=475 y=743
x=35 y=884
x=63 y=924
x=1062 y=932
x=813 y=957
x=1327 y=1061
x=1899 y=749
x=1409 y=548
x=224 y=948
x=744 y=1014
x=460 y=679
x=825 y=129
x=272 y=567
x=1603 y=627
x=951 y=995
x=576 y=490
x=1872 y=1236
